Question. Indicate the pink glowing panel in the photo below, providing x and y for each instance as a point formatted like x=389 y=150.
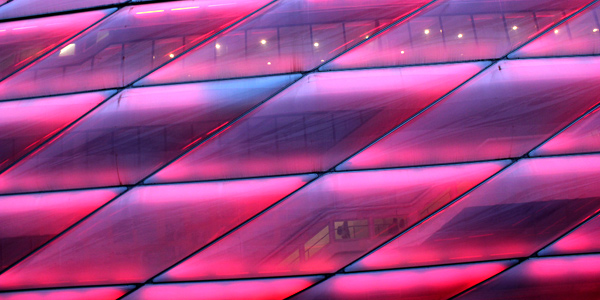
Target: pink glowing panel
x=583 y=240
x=28 y=221
x=257 y=289
x=23 y=41
x=25 y=124
x=514 y=214
x=332 y=222
x=578 y=36
x=23 y=8
x=557 y=278
x=136 y=132
x=318 y=122
x=146 y=231
x=423 y=283
x=459 y=30
x=289 y=36
x=95 y=293
x=126 y=46
x=581 y=137
x=505 y=112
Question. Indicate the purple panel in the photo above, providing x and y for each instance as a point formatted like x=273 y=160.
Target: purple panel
x=423 y=284
x=318 y=122
x=332 y=222
x=256 y=289
x=23 y=8
x=23 y=41
x=505 y=112
x=459 y=30
x=26 y=124
x=513 y=215
x=146 y=231
x=556 y=278
x=95 y=293
x=583 y=240
x=581 y=137
x=135 y=133
x=28 y=221
x=126 y=46
x=289 y=36
x=578 y=36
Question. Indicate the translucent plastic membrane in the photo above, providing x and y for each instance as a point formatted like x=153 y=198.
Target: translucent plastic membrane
x=459 y=30
x=318 y=122
x=425 y=283
x=332 y=222
x=26 y=124
x=580 y=35
x=145 y=231
x=23 y=41
x=505 y=112
x=515 y=214
x=257 y=289
x=23 y=8
x=135 y=133
x=125 y=46
x=289 y=36
x=95 y=293
x=583 y=240
x=28 y=221
x=557 y=278
x=581 y=137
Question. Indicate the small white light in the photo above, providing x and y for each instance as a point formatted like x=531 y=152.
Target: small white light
x=515 y=27
x=316 y=44
x=402 y=52
x=555 y=31
x=264 y=42
x=596 y=30
x=171 y=55
x=322 y=60
x=460 y=35
x=426 y=31
x=366 y=37
x=68 y=50
x=269 y=63
x=218 y=46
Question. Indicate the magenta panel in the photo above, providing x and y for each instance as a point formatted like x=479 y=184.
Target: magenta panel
x=28 y=221
x=557 y=278
x=23 y=41
x=289 y=36
x=95 y=293
x=422 y=283
x=26 y=124
x=256 y=289
x=23 y=8
x=581 y=137
x=145 y=231
x=136 y=132
x=332 y=222
x=514 y=214
x=578 y=36
x=505 y=112
x=458 y=30
x=126 y=46
x=318 y=122
x=582 y=240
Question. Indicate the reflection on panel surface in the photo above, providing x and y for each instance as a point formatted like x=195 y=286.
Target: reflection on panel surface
x=22 y=8
x=23 y=41
x=145 y=231
x=582 y=240
x=422 y=283
x=514 y=214
x=126 y=46
x=26 y=124
x=318 y=122
x=459 y=30
x=136 y=132
x=94 y=293
x=580 y=35
x=257 y=289
x=289 y=36
x=505 y=112
x=332 y=222
x=28 y=221
x=556 y=278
